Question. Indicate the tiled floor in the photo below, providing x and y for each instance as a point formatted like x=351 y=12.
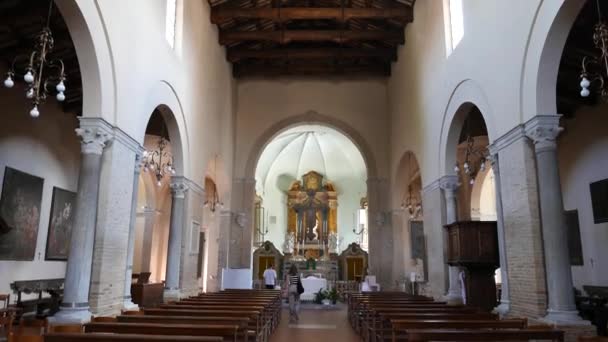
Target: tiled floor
x=315 y=326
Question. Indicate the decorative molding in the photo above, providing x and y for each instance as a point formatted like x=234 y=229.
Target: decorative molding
x=543 y=131
x=95 y=134
x=432 y=186
x=515 y=134
x=195 y=187
x=127 y=141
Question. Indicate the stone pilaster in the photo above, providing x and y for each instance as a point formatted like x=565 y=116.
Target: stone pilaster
x=503 y=307
x=380 y=233
x=113 y=222
x=176 y=228
x=149 y=216
x=128 y=303
x=449 y=185
x=95 y=134
x=434 y=219
x=543 y=131
x=193 y=222
x=241 y=224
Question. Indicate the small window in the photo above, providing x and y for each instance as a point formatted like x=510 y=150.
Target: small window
x=171 y=22
x=454 y=24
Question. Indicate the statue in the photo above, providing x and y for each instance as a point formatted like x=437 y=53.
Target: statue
x=333 y=242
x=289 y=244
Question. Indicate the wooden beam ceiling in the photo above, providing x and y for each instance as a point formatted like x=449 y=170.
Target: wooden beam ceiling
x=311 y=37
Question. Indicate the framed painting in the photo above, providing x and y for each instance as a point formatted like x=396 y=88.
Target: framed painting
x=60 y=224
x=20 y=211
x=599 y=201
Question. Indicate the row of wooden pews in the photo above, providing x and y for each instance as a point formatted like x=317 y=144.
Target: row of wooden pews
x=396 y=316
x=231 y=315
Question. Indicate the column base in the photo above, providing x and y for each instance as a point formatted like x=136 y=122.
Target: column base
x=128 y=304
x=502 y=309
x=453 y=299
x=171 y=295
x=71 y=316
x=564 y=318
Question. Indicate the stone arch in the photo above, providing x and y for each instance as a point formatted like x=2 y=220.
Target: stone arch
x=311 y=117
x=162 y=97
x=88 y=33
x=546 y=41
x=466 y=95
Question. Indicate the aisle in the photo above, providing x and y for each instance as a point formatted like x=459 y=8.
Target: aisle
x=316 y=325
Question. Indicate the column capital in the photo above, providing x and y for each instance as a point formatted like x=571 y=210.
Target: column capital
x=93 y=139
x=543 y=131
x=178 y=187
x=139 y=159
x=449 y=183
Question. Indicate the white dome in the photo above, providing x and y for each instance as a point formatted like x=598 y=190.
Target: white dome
x=299 y=150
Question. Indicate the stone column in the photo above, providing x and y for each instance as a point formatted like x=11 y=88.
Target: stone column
x=543 y=131
x=128 y=303
x=174 y=252
x=75 y=305
x=449 y=185
x=503 y=307
x=146 y=250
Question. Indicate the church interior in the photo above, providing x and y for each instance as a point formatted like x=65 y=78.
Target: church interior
x=327 y=170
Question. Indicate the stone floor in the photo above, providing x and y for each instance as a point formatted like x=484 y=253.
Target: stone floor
x=317 y=326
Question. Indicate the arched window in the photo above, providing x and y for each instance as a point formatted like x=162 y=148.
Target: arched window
x=170 y=22
x=454 y=24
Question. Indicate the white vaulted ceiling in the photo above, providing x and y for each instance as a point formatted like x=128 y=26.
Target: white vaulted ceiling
x=301 y=149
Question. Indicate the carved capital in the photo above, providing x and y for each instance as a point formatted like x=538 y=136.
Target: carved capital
x=543 y=131
x=178 y=189
x=139 y=159
x=93 y=140
x=449 y=183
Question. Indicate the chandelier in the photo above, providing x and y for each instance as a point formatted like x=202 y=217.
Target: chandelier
x=414 y=208
x=475 y=159
x=159 y=161
x=215 y=201
x=598 y=64
x=38 y=85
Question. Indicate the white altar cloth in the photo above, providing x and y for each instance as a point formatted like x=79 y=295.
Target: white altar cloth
x=312 y=285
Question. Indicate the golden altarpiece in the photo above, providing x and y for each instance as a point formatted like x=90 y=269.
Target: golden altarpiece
x=312 y=227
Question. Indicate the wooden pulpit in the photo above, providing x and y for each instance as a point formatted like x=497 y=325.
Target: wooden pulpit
x=473 y=245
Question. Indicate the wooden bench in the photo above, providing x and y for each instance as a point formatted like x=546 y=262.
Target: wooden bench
x=403 y=326
x=104 y=337
x=225 y=331
x=415 y=335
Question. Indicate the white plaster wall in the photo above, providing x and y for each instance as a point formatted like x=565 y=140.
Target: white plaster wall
x=583 y=156
x=46 y=147
x=361 y=104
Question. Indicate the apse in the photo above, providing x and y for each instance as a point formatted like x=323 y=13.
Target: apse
x=296 y=152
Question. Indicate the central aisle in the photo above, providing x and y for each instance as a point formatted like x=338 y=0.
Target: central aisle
x=316 y=325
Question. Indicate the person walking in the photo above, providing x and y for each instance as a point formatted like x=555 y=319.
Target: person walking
x=270 y=277
x=292 y=280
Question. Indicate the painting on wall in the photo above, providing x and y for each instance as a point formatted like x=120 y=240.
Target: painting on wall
x=60 y=224
x=599 y=201
x=20 y=211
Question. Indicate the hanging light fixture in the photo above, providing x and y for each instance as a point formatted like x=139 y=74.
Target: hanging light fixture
x=475 y=158
x=413 y=207
x=38 y=83
x=215 y=201
x=159 y=161
x=595 y=68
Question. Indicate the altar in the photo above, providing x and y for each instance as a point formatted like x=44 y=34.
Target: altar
x=312 y=284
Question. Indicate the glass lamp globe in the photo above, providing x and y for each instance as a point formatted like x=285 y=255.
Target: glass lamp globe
x=60 y=97
x=30 y=93
x=29 y=77
x=60 y=87
x=8 y=82
x=34 y=112
x=585 y=92
x=585 y=83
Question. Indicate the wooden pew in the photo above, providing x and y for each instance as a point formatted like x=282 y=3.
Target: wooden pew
x=226 y=331
x=104 y=337
x=399 y=325
x=416 y=335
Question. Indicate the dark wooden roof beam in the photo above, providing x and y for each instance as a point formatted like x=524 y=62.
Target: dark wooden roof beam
x=284 y=37
x=237 y=54
x=248 y=70
x=219 y=15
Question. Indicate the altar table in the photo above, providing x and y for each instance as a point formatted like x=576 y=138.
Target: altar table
x=312 y=285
